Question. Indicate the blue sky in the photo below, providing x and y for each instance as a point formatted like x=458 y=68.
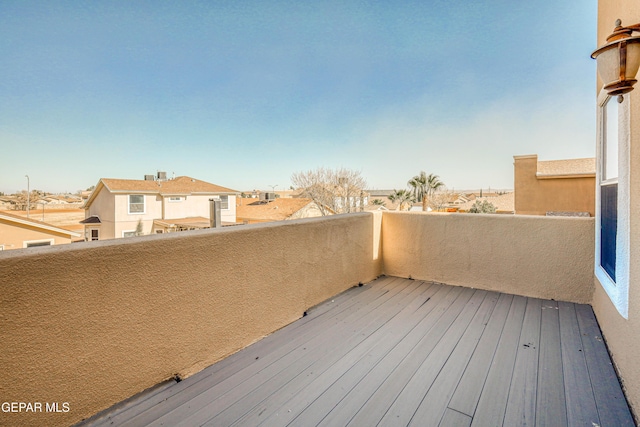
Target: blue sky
x=243 y=94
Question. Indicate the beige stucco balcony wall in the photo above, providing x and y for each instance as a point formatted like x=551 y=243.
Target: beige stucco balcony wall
x=544 y=257
x=94 y=323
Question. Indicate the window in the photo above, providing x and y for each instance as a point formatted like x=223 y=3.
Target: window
x=130 y=233
x=136 y=204
x=609 y=188
x=35 y=243
x=612 y=200
x=94 y=234
x=175 y=199
x=224 y=201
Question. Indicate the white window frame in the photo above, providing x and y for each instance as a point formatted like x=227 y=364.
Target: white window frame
x=175 y=199
x=219 y=197
x=26 y=243
x=128 y=231
x=144 y=204
x=90 y=237
x=617 y=291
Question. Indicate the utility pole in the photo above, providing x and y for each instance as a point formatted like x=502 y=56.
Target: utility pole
x=28 y=195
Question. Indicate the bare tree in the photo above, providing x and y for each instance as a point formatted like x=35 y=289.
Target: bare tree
x=22 y=199
x=439 y=200
x=333 y=190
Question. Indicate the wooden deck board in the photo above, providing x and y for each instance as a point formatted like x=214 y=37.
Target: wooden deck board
x=581 y=405
x=521 y=404
x=493 y=400
x=468 y=389
x=356 y=327
x=610 y=401
x=551 y=406
x=398 y=351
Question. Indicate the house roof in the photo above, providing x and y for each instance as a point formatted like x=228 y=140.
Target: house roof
x=276 y=210
x=91 y=220
x=503 y=203
x=567 y=168
x=182 y=185
x=43 y=226
x=179 y=185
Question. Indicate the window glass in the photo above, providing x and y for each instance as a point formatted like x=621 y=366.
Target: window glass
x=610 y=149
x=136 y=203
x=224 y=201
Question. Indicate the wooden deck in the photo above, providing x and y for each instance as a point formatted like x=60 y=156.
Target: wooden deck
x=402 y=352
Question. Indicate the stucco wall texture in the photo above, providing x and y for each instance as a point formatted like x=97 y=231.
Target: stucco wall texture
x=536 y=196
x=94 y=323
x=623 y=335
x=543 y=257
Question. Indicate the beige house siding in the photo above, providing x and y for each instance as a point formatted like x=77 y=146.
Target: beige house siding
x=309 y=211
x=623 y=335
x=537 y=194
x=113 y=207
x=15 y=235
x=196 y=205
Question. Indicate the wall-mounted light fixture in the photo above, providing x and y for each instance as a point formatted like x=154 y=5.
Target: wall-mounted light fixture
x=619 y=59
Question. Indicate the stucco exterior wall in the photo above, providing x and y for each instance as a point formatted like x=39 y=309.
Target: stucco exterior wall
x=94 y=323
x=197 y=205
x=544 y=257
x=537 y=196
x=103 y=207
x=128 y=222
x=623 y=335
x=13 y=236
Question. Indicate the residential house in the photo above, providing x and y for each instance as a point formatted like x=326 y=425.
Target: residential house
x=550 y=187
x=124 y=207
x=251 y=210
x=17 y=232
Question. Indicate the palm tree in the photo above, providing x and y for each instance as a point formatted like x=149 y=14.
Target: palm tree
x=419 y=188
x=403 y=197
x=433 y=184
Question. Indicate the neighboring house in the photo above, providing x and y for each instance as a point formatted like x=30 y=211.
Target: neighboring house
x=126 y=207
x=503 y=203
x=6 y=203
x=17 y=232
x=556 y=186
x=251 y=210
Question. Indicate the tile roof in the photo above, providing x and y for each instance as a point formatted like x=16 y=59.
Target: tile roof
x=567 y=167
x=179 y=185
x=276 y=210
